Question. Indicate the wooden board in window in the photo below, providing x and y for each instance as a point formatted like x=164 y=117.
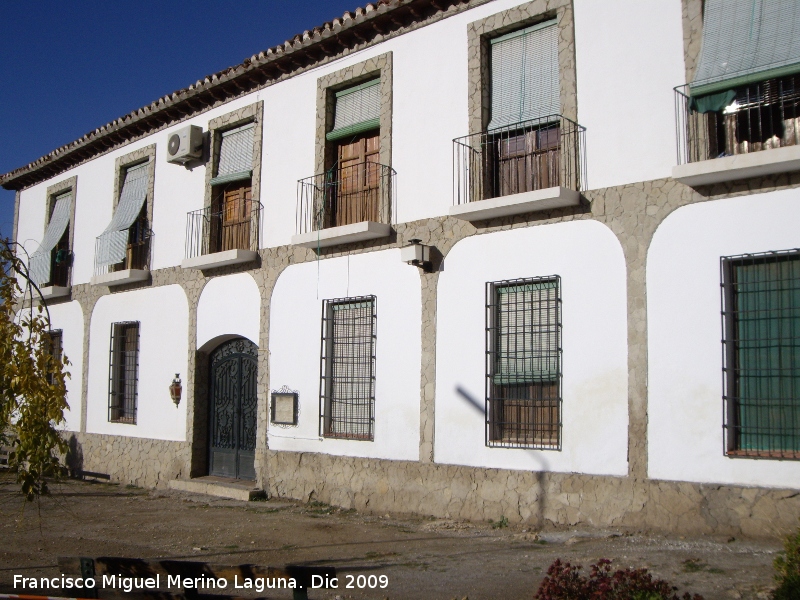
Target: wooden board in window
x=231 y=223
x=358 y=175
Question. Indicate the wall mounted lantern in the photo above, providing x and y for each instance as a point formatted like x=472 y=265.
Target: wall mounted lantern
x=175 y=389
x=417 y=254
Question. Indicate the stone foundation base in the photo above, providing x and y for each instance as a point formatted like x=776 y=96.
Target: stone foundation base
x=541 y=499
x=139 y=461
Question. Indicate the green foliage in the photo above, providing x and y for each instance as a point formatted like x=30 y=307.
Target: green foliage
x=787 y=569
x=32 y=382
x=565 y=582
x=502 y=523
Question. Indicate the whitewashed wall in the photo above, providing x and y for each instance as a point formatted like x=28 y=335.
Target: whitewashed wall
x=589 y=259
x=684 y=331
x=68 y=317
x=229 y=306
x=295 y=329
x=629 y=57
x=163 y=315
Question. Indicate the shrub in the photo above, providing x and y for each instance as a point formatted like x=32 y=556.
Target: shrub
x=787 y=570
x=565 y=582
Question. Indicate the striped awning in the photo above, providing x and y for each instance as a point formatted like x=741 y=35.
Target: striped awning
x=40 y=261
x=113 y=242
x=746 y=41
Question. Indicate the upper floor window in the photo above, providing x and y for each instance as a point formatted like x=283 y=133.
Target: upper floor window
x=230 y=223
x=761 y=337
x=351 y=194
x=354 y=160
x=125 y=243
x=49 y=265
x=523 y=370
x=745 y=96
x=520 y=141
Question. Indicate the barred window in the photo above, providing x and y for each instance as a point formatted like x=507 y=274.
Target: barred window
x=523 y=363
x=123 y=372
x=54 y=347
x=761 y=354
x=347 y=387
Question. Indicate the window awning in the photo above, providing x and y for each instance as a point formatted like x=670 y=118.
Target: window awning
x=235 y=155
x=358 y=109
x=113 y=242
x=40 y=261
x=745 y=41
x=525 y=81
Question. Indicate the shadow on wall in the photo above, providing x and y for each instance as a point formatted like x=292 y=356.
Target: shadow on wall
x=74 y=458
x=543 y=467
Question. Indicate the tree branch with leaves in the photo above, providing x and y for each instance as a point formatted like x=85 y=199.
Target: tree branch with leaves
x=32 y=380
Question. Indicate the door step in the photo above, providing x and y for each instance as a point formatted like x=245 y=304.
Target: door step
x=235 y=489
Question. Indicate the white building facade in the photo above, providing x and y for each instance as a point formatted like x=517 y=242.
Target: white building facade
x=603 y=323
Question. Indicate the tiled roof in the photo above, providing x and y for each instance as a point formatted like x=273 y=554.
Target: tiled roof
x=353 y=29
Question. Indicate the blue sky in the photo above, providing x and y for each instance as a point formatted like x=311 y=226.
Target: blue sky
x=69 y=67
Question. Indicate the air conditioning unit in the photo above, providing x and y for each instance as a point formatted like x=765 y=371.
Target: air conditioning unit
x=185 y=145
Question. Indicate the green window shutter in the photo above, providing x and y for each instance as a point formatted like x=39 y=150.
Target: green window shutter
x=525 y=79
x=357 y=109
x=767 y=301
x=745 y=41
x=236 y=153
x=527 y=333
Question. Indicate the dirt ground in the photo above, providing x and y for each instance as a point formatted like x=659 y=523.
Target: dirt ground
x=422 y=558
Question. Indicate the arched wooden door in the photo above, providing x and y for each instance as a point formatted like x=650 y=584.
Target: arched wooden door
x=232 y=403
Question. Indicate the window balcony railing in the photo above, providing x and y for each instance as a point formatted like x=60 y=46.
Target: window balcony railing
x=234 y=226
x=523 y=157
x=344 y=196
x=759 y=116
x=137 y=251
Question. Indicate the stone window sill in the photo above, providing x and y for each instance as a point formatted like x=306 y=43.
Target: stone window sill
x=121 y=277
x=516 y=204
x=740 y=166
x=219 y=259
x=345 y=234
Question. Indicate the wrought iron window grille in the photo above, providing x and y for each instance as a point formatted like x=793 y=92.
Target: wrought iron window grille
x=761 y=354
x=523 y=363
x=523 y=157
x=347 y=195
x=760 y=116
x=55 y=348
x=123 y=372
x=347 y=372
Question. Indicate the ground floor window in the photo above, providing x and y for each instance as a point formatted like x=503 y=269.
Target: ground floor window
x=123 y=372
x=347 y=388
x=761 y=358
x=523 y=363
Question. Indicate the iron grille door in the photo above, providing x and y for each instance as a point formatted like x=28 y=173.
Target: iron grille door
x=233 y=404
x=523 y=363
x=347 y=387
x=761 y=354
